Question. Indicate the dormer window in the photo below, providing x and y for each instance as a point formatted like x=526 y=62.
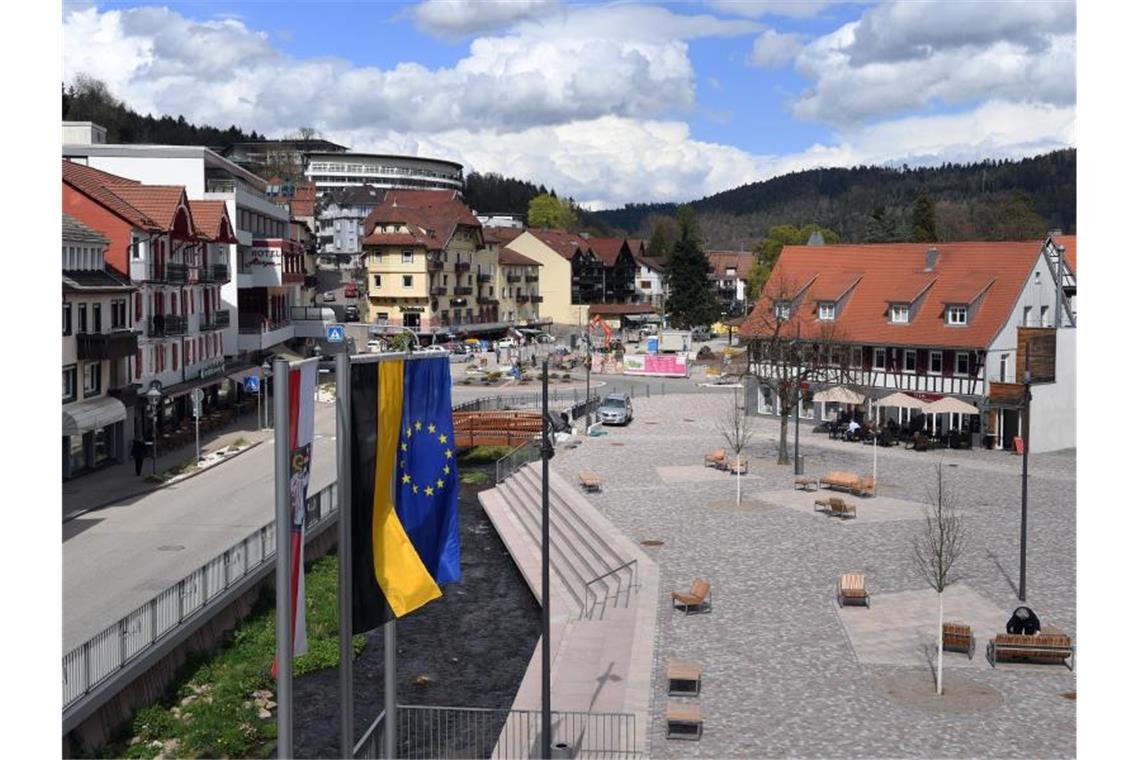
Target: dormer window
x=955 y=315
x=900 y=313
x=783 y=310
x=827 y=311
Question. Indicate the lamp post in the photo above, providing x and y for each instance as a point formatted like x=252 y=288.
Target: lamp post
x=153 y=397
x=1028 y=396
x=799 y=359
x=266 y=369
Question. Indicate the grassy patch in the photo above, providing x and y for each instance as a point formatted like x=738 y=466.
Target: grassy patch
x=222 y=706
x=476 y=477
x=481 y=454
x=239 y=443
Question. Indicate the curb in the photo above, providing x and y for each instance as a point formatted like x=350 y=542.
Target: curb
x=158 y=487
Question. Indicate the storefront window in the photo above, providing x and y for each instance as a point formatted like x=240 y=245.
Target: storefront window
x=78 y=460
x=102 y=444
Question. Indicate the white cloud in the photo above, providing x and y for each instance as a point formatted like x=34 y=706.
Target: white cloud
x=758 y=8
x=773 y=49
x=462 y=18
x=910 y=55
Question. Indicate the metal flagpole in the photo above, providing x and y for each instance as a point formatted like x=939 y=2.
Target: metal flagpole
x=344 y=538
x=390 y=690
x=546 y=452
x=284 y=557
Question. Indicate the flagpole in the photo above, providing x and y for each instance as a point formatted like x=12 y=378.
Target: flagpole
x=390 y=689
x=344 y=529
x=284 y=555
x=546 y=453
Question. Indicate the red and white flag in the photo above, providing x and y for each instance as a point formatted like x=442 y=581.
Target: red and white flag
x=302 y=387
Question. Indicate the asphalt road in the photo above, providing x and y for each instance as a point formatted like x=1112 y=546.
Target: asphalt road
x=117 y=558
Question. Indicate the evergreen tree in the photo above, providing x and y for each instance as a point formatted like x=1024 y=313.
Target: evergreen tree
x=882 y=227
x=691 y=301
x=663 y=237
x=923 y=226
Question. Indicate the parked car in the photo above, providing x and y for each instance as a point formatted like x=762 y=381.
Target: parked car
x=435 y=349
x=506 y=343
x=375 y=346
x=330 y=296
x=701 y=334
x=351 y=313
x=616 y=409
x=350 y=290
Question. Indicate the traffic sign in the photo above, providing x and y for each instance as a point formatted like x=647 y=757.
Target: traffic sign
x=334 y=333
x=196 y=396
x=252 y=384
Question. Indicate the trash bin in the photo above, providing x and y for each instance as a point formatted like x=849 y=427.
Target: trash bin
x=561 y=750
x=800 y=464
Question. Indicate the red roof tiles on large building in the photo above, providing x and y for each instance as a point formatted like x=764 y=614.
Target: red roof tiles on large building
x=722 y=261
x=993 y=273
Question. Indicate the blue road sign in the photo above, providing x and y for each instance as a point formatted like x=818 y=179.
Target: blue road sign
x=251 y=383
x=334 y=333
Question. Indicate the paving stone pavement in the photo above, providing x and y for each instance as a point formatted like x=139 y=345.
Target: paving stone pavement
x=781 y=677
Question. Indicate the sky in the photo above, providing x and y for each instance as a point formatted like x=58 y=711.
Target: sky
x=607 y=102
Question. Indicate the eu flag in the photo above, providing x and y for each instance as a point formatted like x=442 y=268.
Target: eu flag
x=405 y=488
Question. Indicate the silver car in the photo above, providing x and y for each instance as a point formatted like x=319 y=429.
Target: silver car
x=616 y=409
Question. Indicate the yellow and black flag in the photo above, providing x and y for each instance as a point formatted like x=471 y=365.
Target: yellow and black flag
x=405 y=488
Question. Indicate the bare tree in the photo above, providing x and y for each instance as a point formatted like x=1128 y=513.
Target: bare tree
x=736 y=427
x=938 y=547
x=791 y=349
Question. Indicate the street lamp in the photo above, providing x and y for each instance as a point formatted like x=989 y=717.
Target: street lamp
x=153 y=397
x=266 y=369
x=799 y=359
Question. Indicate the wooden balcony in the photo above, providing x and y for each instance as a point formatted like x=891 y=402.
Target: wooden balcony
x=1009 y=394
x=438 y=290
x=532 y=278
x=463 y=266
x=112 y=345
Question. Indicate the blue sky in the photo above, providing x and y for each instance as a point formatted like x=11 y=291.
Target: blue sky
x=608 y=102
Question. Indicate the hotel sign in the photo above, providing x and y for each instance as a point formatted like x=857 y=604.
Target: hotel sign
x=263 y=256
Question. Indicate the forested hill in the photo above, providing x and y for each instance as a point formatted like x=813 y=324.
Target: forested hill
x=969 y=199
x=90 y=100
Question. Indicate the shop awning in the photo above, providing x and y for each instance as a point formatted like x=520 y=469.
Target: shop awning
x=950 y=405
x=839 y=395
x=91 y=415
x=902 y=401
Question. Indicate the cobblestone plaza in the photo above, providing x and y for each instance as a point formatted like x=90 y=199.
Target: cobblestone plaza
x=785 y=671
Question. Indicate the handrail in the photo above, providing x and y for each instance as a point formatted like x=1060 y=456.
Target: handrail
x=515 y=459
x=628 y=590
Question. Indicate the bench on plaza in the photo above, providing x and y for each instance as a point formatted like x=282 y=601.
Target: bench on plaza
x=738 y=466
x=1051 y=646
x=958 y=637
x=852 y=589
x=683 y=721
x=590 y=481
x=840 y=508
x=697 y=599
x=849 y=481
x=716 y=459
x=803 y=481
x=684 y=678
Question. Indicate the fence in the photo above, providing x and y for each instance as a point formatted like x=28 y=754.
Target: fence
x=531 y=451
x=97 y=660
x=474 y=732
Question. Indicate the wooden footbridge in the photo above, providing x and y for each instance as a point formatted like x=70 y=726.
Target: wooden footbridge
x=498 y=428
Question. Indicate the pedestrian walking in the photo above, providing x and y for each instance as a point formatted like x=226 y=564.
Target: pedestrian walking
x=498 y=356
x=138 y=452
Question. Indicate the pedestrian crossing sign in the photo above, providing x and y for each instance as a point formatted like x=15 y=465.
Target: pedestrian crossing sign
x=334 y=333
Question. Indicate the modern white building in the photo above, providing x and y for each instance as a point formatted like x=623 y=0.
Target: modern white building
x=387 y=172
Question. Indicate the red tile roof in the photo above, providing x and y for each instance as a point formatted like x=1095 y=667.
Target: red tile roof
x=159 y=202
x=1070 y=243
x=830 y=286
x=431 y=215
x=212 y=221
x=908 y=286
x=612 y=309
x=607 y=249
x=722 y=260
x=97 y=185
x=513 y=258
x=650 y=263
x=304 y=199
x=501 y=235
x=636 y=246
x=395 y=238
x=863 y=316
x=565 y=244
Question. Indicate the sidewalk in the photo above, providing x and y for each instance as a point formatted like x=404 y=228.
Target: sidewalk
x=116 y=483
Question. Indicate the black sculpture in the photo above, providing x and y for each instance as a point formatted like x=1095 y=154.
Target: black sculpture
x=1023 y=622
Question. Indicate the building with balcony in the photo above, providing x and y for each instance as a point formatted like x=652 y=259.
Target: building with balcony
x=271 y=274
x=98 y=340
x=729 y=278
x=954 y=319
x=204 y=175
x=339 y=221
x=266 y=157
x=178 y=263
x=331 y=170
x=650 y=282
x=520 y=301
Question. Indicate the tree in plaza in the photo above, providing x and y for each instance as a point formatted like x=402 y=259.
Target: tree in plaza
x=547 y=211
x=787 y=357
x=923 y=220
x=768 y=251
x=691 y=300
x=736 y=427
x=938 y=547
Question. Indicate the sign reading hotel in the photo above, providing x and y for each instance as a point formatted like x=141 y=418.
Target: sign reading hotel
x=263 y=256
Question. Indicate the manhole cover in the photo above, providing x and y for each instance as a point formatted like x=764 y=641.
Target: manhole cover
x=652 y=542
x=171 y=548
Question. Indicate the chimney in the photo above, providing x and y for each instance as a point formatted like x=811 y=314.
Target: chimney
x=931 y=259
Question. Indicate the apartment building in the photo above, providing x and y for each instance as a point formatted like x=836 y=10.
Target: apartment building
x=650 y=282
x=340 y=218
x=98 y=340
x=729 y=278
x=520 y=302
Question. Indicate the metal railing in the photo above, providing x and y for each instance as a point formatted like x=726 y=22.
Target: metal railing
x=524 y=454
x=617 y=594
x=163 y=325
x=98 y=659
x=476 y=732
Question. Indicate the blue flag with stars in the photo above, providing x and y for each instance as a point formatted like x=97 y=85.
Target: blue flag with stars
x=426 y=476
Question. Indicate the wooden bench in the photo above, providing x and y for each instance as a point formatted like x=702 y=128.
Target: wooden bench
x=684 y=678
x=852 y=589
x=697 y=599
x=1051 y=646
x=835 y=506
x=590 y=481
x=849 y=481
x=958 y=637
x=683 y=721
x=803 y=481
x=716 y=459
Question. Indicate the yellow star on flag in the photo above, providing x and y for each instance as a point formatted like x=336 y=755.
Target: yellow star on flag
x=442 y=438
x=447 y=453
x=408 y=432
x=439 y=483
x=407 y=478
x=419 y=425
x=446 y=469
x=428 y=491
x=415 y=488
x=403 y=446
x=431 y=428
